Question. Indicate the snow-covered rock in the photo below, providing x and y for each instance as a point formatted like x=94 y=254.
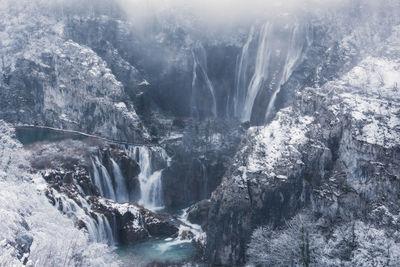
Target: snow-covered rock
x=31 y=228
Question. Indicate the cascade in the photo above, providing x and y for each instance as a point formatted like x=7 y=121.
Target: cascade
x=99 y=228
x=260 y=72
x=151 y=191
x=200 y=71
x=242 y=75
x=293 y=57
x=121 y=191
x=280 y=49
x=150 y=181
x=103 y=180
x=96 y=178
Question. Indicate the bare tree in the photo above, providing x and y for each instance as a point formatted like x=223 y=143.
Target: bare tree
x=298 y=244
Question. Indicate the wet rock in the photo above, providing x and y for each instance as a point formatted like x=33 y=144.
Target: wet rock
x=198 y=213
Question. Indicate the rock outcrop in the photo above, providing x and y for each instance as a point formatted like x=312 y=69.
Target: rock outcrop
x=336 y=150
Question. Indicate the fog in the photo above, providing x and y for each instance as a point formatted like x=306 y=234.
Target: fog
x=225 y=12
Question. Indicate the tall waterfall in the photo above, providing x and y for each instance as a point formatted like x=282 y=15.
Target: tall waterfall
x=293 y=57
x=243 y=75
x=279 y=50
x=201 y=79
x=260 y=72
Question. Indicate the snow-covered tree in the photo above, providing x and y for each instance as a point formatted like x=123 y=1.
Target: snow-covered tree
x=298 y=244
x=32 y=231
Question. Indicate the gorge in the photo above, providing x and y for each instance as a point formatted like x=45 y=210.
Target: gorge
x=200 y=133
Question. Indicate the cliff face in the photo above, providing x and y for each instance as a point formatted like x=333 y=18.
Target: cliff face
x=278 y=117
x=335 y=150
x=50 y=80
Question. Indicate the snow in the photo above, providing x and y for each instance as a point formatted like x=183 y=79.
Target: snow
x=280 y=138
x=81 y=77
x=26 y=214
x=370 y=93
x=144 y=82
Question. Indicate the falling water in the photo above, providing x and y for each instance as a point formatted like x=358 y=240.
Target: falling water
x=200 y=67
x=151 y=191
x=293 y=57
x=150 y=181
x=103 y=180
x=280 y=49
x=261 y=67
x=205 y=180
x=121 y=191
x=99 y=228
x=96 y=177
x=242 y=75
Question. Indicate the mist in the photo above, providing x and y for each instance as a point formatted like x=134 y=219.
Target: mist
x=225 y=13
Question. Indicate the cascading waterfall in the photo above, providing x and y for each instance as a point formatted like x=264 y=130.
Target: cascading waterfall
x=151 y=195
x=242 y=75
x=121 y=191
x=151 y=190
x=98 y=228
x=96 y=176
x=260 y=72
x=103 y=180
x=200 y=72
x=280 y=50
x=205 y=180
x=112 y=187
x=115 y=187
x=293 y=57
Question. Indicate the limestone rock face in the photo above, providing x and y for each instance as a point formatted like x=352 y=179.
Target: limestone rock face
x=66 y=85
x=335 y=147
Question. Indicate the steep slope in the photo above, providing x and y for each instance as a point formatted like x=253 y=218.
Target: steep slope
x=32 y=231
x=335 y=152
x=52 y=81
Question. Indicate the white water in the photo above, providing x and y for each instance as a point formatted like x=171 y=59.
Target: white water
x=99 y=229
x=200 y=64
x=280 y=49
x=151 y=190
x=151 y=195
x=103 y=180
x=242 y=75
x=96 y=176
x=294 y=55
x=121 y=191
x=260 y=73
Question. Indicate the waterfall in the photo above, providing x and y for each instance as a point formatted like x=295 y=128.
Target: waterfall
x=103 y=180
x=151 y=191
x=105 y=232
x=261 y=66
x=98 y=229
x=205 y=180
x=293 y=57
x=121 y=191
x=151 y=195
x=242 y=75
x=96 y=177
x=280 y=49
x=200 y=71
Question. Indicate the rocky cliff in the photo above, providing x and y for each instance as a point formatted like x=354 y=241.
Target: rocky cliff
x=335 y=151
